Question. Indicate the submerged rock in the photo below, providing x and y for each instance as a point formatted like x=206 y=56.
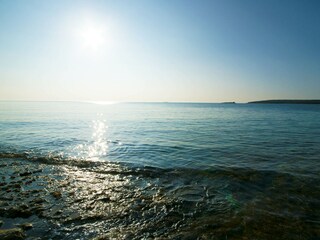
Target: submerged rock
x=56 y=194
x=12 y=234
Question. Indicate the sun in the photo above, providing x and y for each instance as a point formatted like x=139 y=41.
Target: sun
x=93 y=36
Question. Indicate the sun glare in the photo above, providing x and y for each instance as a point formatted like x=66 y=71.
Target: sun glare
x=93 y=36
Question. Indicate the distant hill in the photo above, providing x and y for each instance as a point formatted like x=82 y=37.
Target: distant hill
x=288 y=101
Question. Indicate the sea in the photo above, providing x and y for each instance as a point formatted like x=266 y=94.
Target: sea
x=102 y=170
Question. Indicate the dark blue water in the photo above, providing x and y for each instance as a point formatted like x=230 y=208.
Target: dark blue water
x=261 y=161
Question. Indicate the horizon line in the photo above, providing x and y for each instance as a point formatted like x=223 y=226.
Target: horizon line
x=150 y=102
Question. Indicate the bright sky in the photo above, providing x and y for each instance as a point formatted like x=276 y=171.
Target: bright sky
x=166 y=50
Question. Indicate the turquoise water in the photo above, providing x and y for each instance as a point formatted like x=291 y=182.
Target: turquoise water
x=253 y=161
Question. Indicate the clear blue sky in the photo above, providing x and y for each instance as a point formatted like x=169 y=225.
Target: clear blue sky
x=168 y=50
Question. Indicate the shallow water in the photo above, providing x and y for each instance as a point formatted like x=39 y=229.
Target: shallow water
x=143 y=170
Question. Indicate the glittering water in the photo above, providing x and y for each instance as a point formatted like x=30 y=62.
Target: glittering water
x=146 y=170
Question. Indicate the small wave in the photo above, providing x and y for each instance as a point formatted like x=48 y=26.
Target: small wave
x=238 y=174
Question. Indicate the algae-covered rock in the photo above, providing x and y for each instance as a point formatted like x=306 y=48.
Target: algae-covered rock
x=12 y=234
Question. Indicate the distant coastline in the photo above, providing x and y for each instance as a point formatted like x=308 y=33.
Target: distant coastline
x=288 y=101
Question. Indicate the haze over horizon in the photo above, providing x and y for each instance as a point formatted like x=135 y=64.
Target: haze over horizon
x=159 y=51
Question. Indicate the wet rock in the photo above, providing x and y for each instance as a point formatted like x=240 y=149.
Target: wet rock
x=29 y=182
x=25 y=174
x=7 y=198
x=15 y=185
x=12 y=234
x=3 y=211
x=15 y=212
x=34 y=191
x=72 y=193
x=37 y=209
x=38 y=200
x=3 y=204
x=56 y=210
x=74 y=216
x=105 y=199
x=56 y=194
x=37 y=171
x=24 y=206
x=103 y=237
x=25 y=226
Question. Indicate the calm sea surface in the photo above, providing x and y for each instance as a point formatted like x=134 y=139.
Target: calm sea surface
x=224 y=171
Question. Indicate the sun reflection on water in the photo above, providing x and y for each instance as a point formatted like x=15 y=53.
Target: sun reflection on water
x=97 y=147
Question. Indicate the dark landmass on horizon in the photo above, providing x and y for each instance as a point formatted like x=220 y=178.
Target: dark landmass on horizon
x=288 y=101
